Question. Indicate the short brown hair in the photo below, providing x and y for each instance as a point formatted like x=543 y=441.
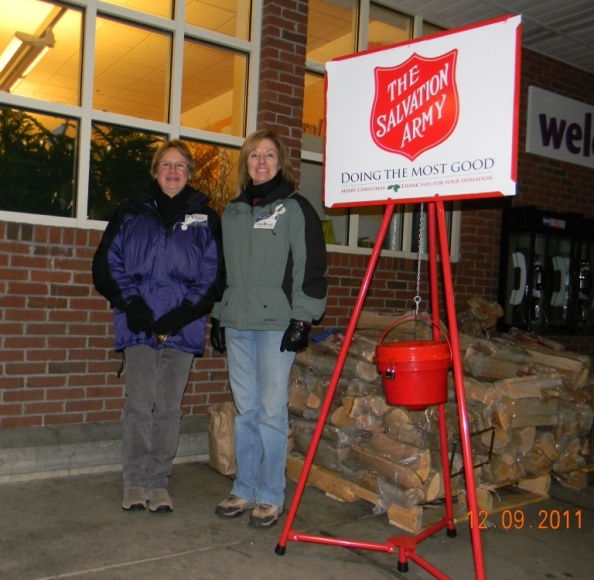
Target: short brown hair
x=251 y=142
x=182 y=148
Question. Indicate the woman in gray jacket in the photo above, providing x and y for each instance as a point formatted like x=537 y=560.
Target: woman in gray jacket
x=275 y=259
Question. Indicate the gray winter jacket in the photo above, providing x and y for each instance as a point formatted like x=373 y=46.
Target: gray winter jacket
x=275 y=258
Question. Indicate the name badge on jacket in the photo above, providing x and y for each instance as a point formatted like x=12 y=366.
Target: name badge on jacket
x=196 y=219
x=267 y=222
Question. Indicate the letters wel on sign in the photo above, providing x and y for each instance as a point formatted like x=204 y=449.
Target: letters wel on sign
x=416 y=104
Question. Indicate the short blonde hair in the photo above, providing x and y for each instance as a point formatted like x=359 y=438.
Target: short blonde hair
x=182 y=148
x=251 y=142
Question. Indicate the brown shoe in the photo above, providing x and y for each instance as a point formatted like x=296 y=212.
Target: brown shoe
x=265 y=516
x=159 y=500
x=134 y=499
x=233 y=506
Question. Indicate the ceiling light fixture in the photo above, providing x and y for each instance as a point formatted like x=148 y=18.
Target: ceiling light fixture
x=21 y=56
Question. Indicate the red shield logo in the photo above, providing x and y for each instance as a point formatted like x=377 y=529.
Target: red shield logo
x=416 y=104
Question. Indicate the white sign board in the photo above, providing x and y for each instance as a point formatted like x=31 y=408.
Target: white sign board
x=436 y=117
x=560 y=128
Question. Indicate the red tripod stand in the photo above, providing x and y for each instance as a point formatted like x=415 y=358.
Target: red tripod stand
x=405 y=546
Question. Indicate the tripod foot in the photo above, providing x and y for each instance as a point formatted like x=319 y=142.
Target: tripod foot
x=280 y=550
x=402 y=567
x=452 y=533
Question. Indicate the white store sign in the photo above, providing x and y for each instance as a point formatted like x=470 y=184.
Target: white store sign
x=560 y=128
x=426 y=119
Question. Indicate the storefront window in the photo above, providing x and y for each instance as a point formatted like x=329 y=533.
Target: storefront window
x=314 y=127
x=213 y=89
x=37 y=162
x=334 y=222
x=40 y=51
x=121 y=160
x=216 y=172
x=331 y=29
x=230 y=17
x=81 y=118
x=131 y=70
x=120 y=165
x=156 y=7
x=429 y=29
x=387 y=27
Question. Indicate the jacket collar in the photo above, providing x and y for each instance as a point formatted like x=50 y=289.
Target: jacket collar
x=192 y=199
x=284 y=190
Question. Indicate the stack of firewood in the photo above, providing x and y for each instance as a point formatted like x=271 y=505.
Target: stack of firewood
x=528 y=400
x=541 y=398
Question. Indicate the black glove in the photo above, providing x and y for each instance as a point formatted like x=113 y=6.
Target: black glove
x=173 y=321
x=139 y=316
x=217 y=335
x=296 y=338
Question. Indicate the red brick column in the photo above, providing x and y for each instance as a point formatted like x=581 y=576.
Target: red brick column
x=282 y=70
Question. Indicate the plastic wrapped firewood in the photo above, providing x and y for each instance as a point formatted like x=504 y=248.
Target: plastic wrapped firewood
x=535 y=463
x=402 y=472
x=417 y=459
x=389 y=493
x=531 y=386
x=323 y=364
x=502 y=469
x=523 y=438
x=361 y=347
x=339 y=437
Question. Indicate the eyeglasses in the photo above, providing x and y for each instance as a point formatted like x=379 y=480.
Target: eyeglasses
x=167 y=165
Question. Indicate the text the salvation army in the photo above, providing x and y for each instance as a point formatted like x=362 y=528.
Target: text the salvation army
x=404 y=109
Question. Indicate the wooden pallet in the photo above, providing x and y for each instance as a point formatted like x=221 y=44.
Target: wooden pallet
x=413 y=520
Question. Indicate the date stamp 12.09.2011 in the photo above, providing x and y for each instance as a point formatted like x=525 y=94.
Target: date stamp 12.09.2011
x=515 y=519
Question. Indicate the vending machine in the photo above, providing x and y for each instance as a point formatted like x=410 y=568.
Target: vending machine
x=584 y=315
x=540 y=271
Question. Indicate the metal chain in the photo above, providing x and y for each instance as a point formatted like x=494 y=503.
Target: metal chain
x=420 y=252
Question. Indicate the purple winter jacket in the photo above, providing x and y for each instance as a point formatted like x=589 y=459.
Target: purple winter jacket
x=139 y=255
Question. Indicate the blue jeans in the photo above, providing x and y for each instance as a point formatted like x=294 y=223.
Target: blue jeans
x=259 y=376
x=155 y=385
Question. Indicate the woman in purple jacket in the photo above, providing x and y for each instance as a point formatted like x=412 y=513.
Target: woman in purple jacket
x=159 y=264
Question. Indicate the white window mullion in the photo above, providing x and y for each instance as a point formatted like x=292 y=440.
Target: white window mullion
x=353 y=230
x=417 y=26
x=177 y=61
x=407 y=232
x=253 y=87
x=363 y=24
x=455 y=235
x=86 y=119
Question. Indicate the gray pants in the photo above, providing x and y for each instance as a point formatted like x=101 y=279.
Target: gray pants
x=155 y=385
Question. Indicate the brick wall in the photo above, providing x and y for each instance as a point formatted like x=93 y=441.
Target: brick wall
x=57 y=363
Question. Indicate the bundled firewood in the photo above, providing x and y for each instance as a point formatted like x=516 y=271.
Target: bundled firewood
x=401 y=323
x=479 y=317
x=549 y=356
x=322 y=363
x=572 y=442
x=520 y=353
x=528 y=412
x=535 y=396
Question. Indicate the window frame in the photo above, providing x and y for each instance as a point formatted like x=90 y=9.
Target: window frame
x=86 y=116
